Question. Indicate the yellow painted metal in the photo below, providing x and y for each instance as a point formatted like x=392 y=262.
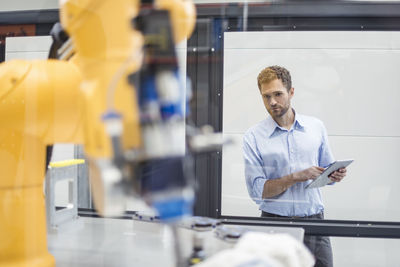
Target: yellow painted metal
x=23 y=228
x=39 y=105
x=183 y=17
x=108 y=49
x=42 y=107
x=66 y=163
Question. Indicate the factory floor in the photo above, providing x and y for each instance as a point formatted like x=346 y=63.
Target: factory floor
x=100 y=242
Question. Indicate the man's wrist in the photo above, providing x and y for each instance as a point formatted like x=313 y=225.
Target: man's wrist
x=294 y=177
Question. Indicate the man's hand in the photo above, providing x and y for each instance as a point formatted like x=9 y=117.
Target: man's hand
x=338 y=175
x=310 y=173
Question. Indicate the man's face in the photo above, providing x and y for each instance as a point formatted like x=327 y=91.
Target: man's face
x=276 y=98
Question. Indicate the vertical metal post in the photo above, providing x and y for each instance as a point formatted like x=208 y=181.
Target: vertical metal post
x=204 y=67
x=84 y=193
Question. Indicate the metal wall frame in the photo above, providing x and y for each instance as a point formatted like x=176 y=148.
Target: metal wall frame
x=42 y=16
x=205 y=68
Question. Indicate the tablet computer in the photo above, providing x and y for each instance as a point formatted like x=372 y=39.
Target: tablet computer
x=323 y=179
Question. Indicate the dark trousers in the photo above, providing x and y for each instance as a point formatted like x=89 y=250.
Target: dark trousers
x=320 y=246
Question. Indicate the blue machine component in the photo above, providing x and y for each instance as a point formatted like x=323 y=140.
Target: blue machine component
x=148 y=93
x=162 y=175
x=171 y=209
x=168 y=108
x=111 y=115
x=164 y=183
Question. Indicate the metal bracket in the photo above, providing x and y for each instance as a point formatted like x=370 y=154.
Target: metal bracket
x=59 y=171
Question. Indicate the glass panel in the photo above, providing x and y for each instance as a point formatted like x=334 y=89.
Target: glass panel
x=348 y=81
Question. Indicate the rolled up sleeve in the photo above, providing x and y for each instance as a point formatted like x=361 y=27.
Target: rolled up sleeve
x=325 y=153
x=254 y=171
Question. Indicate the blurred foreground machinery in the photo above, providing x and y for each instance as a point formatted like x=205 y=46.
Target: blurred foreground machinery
x=114 y=87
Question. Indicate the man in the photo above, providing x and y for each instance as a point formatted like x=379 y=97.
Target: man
x=284 y=153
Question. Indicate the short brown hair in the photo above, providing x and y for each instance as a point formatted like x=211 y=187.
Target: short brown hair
x=272 y=73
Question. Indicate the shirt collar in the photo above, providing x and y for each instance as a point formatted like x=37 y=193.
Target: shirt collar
x=272 y=127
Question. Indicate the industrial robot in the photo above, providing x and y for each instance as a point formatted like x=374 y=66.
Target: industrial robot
x=113 y=86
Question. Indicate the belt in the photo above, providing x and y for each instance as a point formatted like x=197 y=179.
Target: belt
x=314 y=216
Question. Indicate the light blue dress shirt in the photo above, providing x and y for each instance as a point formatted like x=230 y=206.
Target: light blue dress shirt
x=271 y=152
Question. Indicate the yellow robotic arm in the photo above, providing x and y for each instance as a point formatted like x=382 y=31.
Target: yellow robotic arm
x=46 y=102
x=40 y=105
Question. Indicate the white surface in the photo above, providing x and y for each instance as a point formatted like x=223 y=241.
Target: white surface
x=18 y=5
x=370 y=190
x=347 y=79
x=28 y=44
x=235 y=199
x=312 y=40
x=365 y=252
x=24 y=55
x=27 y=47
x=114 y=242
x=110 y=242
x=259 y=249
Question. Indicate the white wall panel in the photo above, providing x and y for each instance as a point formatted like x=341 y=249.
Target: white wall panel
x=347 y=79
x=355 y=92
x=17 y=5
x=28 y=44
x=312 y=40
x=369 y=192
x=235 y=199
x=365 y=252
x=27 y=56
x=27 y=47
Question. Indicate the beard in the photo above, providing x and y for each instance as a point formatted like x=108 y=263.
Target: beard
x=280 y=112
